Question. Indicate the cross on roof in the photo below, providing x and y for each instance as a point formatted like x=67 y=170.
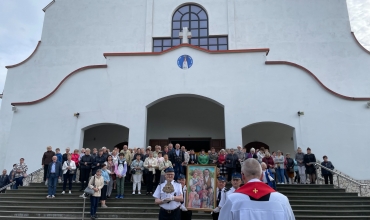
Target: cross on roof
x=185 y=32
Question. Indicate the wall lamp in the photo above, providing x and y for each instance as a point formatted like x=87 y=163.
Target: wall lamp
x=14 y=109
x=300 y=113
x=368 y=104
x=76 y=114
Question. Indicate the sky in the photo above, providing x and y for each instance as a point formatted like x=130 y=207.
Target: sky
x=21 y=26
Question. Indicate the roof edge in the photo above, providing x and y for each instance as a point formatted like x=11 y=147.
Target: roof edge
x=266 y=50
x=29 y=57
x=317 y=79
x=46 y=7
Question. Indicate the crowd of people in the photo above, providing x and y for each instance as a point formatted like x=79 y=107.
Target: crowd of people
x=112 y=169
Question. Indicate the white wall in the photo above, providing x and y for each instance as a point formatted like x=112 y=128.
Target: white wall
x=185 y=117
x=107 y=135
x=277 y=136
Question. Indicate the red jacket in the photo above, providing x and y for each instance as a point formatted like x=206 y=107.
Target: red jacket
x=269 y=162
x=75 y=158
x=221 y=159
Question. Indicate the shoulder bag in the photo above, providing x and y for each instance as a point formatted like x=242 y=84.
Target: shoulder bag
x=88 y=190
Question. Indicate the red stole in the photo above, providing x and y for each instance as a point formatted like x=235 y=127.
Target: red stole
x=255 y=190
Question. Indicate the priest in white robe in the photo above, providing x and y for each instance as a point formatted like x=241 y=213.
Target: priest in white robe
x=255 y=200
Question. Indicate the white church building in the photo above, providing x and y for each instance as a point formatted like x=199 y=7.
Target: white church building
x=212 y=73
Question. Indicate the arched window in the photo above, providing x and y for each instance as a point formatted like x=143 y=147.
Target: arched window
x=196 y=19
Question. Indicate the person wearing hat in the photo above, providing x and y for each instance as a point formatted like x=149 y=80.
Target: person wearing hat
x=221 y=182
x=255 y=199
x=236 y=181
x=185 y=214
x=169 y=196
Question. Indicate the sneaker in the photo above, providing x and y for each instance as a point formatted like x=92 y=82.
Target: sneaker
x=92 y=217
x=282 y=183
x=117 y=197
x=48 y=196
x=63 y=193
x=69 y=192
x=122 y=196
x=104 y=206
x=53 y=196
x=82 y=196
x=139 y=193
x=133 y=193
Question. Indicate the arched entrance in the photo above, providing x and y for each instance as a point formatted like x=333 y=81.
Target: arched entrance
x=105 y=134
x=195 y=122
x=256 y=145
x=276 y=136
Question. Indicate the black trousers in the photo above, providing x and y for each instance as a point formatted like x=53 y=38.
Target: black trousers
x=149 y=182
x=84 y=173
x=157 y=177
x=67 y=177
x=230 y=171
x=186 y=215
x=328 y=176
x=128 y=174
x=46 y=166
x=215 y=216
x=172 y=215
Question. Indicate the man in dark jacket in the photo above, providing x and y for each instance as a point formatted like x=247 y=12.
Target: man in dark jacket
x=54 y=173
x=326 y=173
x=98 y=161
x=46 y=159
x=85 y=167
x=4 y=180
x=231 y=160
x=65 y=155
x=177 y=157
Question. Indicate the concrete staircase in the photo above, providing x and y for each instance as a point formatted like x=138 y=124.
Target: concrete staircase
x=323 y=202
x=308 y=202
x=30 y=203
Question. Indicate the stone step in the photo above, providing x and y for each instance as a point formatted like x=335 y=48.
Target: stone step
x=280 y=186
x=330 y=207
x=76 y=203
x=314 y=212
x=321 y=202
x=292 y=189
x=76 y=198
x=319 y=194
x=114 y=214
x=302 y=217
x=330 y=198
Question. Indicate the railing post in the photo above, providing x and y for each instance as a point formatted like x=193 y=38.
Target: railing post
x=360 y=190
x=338 y=180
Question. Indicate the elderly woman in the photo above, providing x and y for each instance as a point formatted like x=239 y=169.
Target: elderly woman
x=75 y=157
x=279 y=166
x=166 y=163
x=221 y=162
x=251 y=154
x=267 y=176
x=150 y=163
x=112 y=175
x=96 y=183
x=326 y=173
x=261 y=154
x=310 y=160
x=137 y=167
x=69 y=169
x=289 y=168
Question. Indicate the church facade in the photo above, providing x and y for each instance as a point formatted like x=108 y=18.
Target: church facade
x=221 y=73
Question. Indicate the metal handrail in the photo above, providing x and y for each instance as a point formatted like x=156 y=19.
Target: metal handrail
x=341 y=175
x=29 y=175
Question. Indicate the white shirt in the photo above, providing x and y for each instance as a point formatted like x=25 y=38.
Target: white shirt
x=238 y=206
x=264 y=176
x=159 y=194
x=224 y=196
x=71 y=164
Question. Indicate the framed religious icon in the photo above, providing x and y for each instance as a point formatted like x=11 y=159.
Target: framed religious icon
x=201 y=183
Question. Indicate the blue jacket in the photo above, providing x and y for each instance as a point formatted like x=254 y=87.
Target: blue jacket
x=270 y=183
x=328 y=165
x=58 y=169
x=59 y=157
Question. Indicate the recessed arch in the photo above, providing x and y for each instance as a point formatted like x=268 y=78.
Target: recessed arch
x=104 y=134
x=194 y=121
x=276 y=135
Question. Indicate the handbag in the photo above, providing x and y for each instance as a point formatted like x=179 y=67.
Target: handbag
x=270 y=178
x=88 y=190
x=133 y=171
x=71 y=172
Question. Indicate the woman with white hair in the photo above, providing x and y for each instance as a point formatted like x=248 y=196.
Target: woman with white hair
x=251 y=154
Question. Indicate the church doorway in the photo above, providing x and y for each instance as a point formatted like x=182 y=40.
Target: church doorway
x=271 y=135
x=193 y=121
x=106 y=134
